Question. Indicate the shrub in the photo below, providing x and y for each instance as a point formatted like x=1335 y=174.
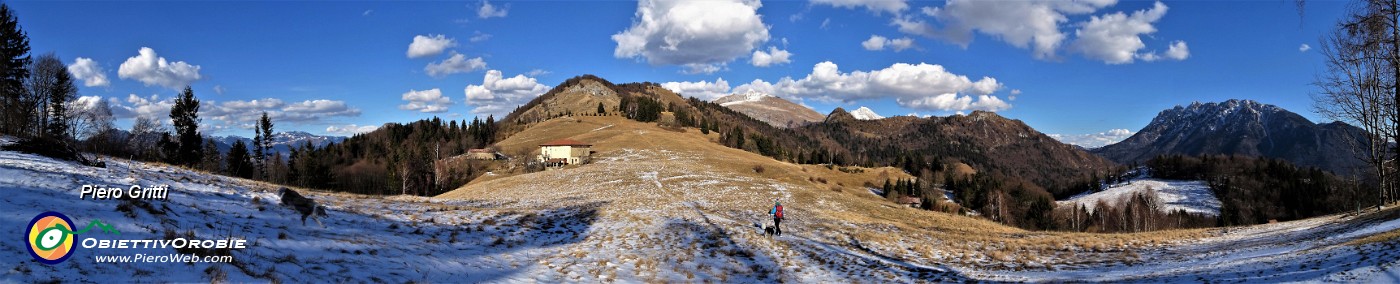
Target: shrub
x=758 y=169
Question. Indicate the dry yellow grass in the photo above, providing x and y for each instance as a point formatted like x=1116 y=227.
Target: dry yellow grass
x=640 y=169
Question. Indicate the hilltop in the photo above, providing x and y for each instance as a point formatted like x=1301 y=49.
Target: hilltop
x=1246 y=128
x=770 y=109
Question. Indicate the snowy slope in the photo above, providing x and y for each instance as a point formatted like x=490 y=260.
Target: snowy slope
x=1191 y=196
x=752 y=96
x=567 y=234
x=864 y=113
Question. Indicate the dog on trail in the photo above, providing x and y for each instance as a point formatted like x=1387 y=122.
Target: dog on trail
x=307 y=207
x=768 y=231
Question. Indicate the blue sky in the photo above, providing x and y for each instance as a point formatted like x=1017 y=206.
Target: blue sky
x=1067 y=68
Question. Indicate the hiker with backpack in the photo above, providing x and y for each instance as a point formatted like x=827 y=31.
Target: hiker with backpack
x=777 y=213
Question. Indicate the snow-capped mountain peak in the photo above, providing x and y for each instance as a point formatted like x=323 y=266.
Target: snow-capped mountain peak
x=864 y=113
x=749 y=96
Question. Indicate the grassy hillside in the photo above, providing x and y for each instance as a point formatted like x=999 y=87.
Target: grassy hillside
x=650 y=176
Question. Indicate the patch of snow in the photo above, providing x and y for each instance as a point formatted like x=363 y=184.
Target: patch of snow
x=1190 y=196
x=747 y=97
x=864 y=113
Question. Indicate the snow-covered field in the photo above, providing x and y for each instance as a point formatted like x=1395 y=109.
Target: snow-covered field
x=641 y=219
x=1192 y=196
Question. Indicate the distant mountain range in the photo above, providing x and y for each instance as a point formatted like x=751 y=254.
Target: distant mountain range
x=1243 y=127
x=770 y=109
x=282 y=142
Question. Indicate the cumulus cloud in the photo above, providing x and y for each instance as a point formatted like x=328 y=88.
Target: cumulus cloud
x=1023 y=24
x=700 y=34
x=874 y=43
x=1093 y=140
x=877 y=42
x=708 y=91
x=877 y=6
x=773 y=56
x=1116 y=38
x=151 y=69
x=458 y=63
x=137 y=106
x=919 y=86
x=488 y=11
x=84 y=103
x=1178 y=51
x=1039 y=25
x=89 y=72
x=497 y=94
x=1304 y=48
x=428 y=101
x=429 y=45
x=701 y=68
x=349 y=129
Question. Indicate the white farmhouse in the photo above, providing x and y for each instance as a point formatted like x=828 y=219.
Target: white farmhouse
x=564 y=152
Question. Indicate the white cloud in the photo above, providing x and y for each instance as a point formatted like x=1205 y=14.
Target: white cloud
x=84 y=103
x=429 y=45
x=1023 y=24
x=349 y=129
x=498 y=95
x=479 y=37
x=919 y=86
x=219 y=89
x=537 y=72
x=708 y=91
x=137 y=106
x=877 y=42
x=701 y=68
x=702 y=34
x=488 y=11
x=1093 y=140
x=89 y=72
x=150 y=69
x=429 y=101
x=773 y=56
x=1178 y=51
x=1304 y=48
x=1116 y=38
x=458 y=63
x=874 y=43
x=877 y=6
x=367 y=12
x=1038 y=25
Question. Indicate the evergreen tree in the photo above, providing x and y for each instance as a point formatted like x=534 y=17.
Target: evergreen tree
x=262 y=144
x=185 y=116
x=212 y=162
x=601 y=110
x=238 y=164
x=14 y=58
x=60 y=93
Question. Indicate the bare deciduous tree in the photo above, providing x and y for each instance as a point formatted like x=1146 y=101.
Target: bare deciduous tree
x=1359 y=86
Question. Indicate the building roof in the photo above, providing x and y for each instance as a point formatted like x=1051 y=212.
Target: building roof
x=910 y=200
x=565 y=142
x=479 y=151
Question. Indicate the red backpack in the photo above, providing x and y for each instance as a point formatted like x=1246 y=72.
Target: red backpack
x=780 y=212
